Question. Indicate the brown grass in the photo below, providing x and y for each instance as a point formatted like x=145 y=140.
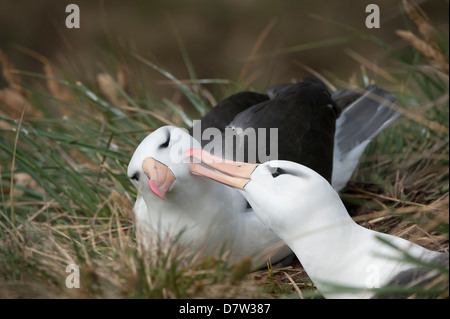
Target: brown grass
x=427 y=46
x=13 y=96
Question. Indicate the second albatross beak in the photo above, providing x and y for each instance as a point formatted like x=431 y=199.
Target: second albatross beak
x=238 y=173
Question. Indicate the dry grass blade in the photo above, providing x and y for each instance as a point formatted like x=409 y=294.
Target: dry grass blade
x=419 y=18
x=299 y=292
x=56 y=89
x=428 y=46
x=15 y=102
x=429 y=51
x=246 y=68
x=419 y=118
x=13 y=96
x=371 y=66
x=13 y=169
x=317 y=75
x=106 y=85
x=154 y=114
x=11 y=77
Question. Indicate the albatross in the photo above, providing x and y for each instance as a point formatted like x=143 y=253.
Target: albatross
x=306 y=212
x=326 y=132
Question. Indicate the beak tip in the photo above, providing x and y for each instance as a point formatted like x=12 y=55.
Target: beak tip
x=154 y=188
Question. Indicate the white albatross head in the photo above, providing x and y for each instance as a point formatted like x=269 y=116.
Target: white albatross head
x=158 y=162
x=283 y=194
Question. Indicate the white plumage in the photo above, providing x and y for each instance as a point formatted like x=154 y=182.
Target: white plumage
x=303 y=209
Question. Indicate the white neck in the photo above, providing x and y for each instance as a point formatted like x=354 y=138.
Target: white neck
x=204 y=219
x=333 y=249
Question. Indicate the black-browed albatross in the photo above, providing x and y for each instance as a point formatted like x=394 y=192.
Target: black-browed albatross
x=304 y=210
x=210 y=216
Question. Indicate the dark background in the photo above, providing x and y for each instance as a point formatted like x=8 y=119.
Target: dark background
x=218 y=35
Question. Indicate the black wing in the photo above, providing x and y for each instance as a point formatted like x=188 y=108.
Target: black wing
x=223 y=113
x=303 y=114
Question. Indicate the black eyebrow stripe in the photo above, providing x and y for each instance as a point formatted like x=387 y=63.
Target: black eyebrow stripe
x=278 y=172
x=166 y=143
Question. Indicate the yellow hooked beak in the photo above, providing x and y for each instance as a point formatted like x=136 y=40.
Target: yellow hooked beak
x=238 y=173
x=159 y=175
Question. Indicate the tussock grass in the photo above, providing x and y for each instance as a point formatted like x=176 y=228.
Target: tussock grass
x=66 y=199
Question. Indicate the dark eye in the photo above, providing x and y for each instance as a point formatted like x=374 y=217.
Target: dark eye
x=278 y=172
x=166 y=143
x=135 y=177
x=334 y=108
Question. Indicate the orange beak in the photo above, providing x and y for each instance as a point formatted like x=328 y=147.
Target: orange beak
x=237 y=173
x=159 y=175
